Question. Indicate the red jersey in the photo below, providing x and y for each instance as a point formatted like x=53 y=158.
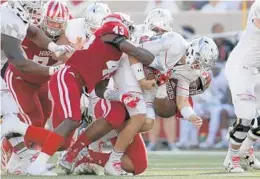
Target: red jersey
x=98 y=60
x=38 y=55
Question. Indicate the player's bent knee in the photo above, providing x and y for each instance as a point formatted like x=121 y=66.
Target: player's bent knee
x=239 y=130
x=116 y=115
x=245 y=107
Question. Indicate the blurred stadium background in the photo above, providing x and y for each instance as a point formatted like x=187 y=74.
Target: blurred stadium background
x=181 y=150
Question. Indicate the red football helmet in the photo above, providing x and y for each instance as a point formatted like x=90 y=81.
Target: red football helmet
x=56 y=14
x=120 y=17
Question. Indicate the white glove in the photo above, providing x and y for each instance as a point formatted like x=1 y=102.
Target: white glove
x=59 y=50
x=54 y=69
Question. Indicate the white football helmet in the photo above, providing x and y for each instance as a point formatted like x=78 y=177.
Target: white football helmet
x=94 y=14
x=202 y=54
x=56 y=14
x=159 y=18
x=28 y=11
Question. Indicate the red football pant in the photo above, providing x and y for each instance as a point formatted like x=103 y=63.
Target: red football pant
x=136 y=151
x=65 y=92
x=115 y=114
x=113 y=111
x=32 y=100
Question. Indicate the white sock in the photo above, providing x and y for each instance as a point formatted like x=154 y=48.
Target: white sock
x=116 y=156
x=246 y=145
x=232 y=152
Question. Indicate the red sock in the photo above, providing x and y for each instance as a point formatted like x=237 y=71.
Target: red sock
x=81 y=143
x=53 y=142
x=99 y=158
x=36 y=134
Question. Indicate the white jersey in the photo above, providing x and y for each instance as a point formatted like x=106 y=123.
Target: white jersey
x=170 y=48
x=11 y=25
x=75 y=29
x=247 y=51
x=125 y=81
x=124 y=77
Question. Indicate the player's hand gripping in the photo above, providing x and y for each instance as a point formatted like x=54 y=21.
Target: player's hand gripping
x=196 y=120
x=162 y=78
x=60 y=50
x=129 y=100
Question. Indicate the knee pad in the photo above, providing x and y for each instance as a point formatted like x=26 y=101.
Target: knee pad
x=239 y=130
x=245 y=107
x=254 y=132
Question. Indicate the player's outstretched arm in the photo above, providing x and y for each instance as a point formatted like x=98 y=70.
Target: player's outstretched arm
x=13 y=50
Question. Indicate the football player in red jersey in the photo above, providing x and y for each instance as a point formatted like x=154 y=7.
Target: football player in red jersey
x=30 y=91
x=82 y=70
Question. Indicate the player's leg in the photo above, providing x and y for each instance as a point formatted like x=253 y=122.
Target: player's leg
x=26 y=97
x=134 y=159
x=247 y=150
x=244 y=101
x=154 y=134
x=111 y=115
x=132 y=127
x=68 y=106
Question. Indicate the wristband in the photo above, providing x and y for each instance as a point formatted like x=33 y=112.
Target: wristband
x=187 y=112
x=138 y=71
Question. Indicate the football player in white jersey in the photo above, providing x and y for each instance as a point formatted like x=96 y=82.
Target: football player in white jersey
x=186 y=62
x=243 y=75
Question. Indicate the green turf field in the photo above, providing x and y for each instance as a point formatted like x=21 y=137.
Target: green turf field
x=175 y=165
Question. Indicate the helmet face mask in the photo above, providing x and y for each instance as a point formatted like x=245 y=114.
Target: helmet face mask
x=202 y=54
x=56 y=15
x=94 y=14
